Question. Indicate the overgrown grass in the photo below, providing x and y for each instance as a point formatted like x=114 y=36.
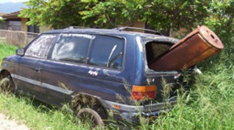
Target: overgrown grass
x=209 y=104
x=38 y=116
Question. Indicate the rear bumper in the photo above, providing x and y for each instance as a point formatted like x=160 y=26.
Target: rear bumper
x=131 y=113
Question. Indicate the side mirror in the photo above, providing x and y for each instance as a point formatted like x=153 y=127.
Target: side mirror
x=20 y=52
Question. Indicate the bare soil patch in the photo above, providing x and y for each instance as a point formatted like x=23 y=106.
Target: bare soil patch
x=10 y=124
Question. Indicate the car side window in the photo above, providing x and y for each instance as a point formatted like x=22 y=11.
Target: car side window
x=71 y=48
x=40 y=47
x=107 y=51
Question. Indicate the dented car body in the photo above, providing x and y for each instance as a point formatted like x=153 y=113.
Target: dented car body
x=111 y=66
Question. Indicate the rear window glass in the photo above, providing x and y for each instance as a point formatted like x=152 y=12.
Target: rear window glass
x=107 y=51
x=71 y=48
x=156 y=49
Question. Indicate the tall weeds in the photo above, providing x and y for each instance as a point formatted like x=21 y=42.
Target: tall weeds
x=209 y=103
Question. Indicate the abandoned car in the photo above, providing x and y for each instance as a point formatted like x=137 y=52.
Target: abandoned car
x=107 y=67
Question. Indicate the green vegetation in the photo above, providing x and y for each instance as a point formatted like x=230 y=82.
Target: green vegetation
x=111 y=13
x=209 y=104
x=37 y=116
x=158 y=14
x=6 y=50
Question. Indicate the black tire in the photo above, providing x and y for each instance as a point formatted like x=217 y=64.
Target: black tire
x=6 y=85
x=88 y=114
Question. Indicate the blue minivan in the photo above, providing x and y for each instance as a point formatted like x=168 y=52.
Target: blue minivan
x=108 y=68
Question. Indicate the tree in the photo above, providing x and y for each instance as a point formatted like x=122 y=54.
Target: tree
x=111 y=13
x=158 y=14
x=221 y=19
x=56 y=13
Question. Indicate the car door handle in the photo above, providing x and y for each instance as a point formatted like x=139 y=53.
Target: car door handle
x=38 y=70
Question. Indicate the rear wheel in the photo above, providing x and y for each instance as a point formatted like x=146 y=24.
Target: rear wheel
x=6 y=85
x=88 y=115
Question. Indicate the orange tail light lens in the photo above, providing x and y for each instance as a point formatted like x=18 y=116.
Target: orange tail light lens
x=143 y=92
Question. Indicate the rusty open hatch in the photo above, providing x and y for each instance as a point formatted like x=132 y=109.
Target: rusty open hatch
x=199 y=45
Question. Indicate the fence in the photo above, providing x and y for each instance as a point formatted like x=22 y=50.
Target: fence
x=17 y=38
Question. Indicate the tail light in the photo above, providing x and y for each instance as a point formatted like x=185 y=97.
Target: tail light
x=143 y=92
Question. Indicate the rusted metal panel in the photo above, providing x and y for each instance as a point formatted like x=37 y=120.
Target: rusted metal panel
x=200 y=44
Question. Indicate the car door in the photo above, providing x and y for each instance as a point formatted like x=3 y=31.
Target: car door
x=69 y=50
x=103 y=75
x=28 y=73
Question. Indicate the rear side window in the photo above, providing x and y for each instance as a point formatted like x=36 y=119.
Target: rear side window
x=71 y=48
x=40 y=47
x=107 y=51
x=156 y=49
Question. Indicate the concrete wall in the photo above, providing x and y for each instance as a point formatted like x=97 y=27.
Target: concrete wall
x=2 y=39
x=24 y=27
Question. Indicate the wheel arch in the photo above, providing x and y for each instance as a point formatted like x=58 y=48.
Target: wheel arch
x=81 y=100
x=4 y=73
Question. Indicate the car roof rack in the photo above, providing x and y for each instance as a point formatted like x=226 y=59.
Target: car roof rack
x=75 y=27
x=135 y=28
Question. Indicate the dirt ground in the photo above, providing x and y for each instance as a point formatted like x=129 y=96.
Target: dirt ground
x=9 y=124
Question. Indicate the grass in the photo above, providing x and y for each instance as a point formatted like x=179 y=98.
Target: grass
x=208 y=105
x=6 y=50
x=36 y=115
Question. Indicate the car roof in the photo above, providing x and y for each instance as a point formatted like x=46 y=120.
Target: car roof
x=147 y=36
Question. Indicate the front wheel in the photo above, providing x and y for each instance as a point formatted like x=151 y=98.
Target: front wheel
x=91 y=116
x=6 y=85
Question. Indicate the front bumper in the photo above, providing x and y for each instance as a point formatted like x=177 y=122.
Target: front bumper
x=131 y=113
